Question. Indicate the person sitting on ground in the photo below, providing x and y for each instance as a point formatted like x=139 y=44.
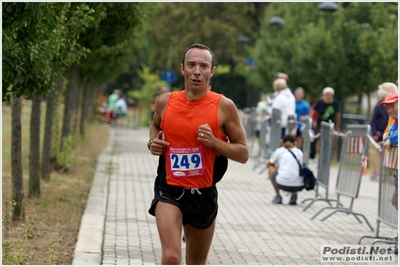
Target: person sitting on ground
x=284 y=171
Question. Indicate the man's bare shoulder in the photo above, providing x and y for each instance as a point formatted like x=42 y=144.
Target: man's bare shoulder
x=227 y=103
x=163 y=99
x=228 y=110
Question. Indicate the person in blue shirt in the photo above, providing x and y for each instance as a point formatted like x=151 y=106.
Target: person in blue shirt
x=303 y=109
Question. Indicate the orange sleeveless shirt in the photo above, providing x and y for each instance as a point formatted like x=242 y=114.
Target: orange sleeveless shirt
x=189 y=163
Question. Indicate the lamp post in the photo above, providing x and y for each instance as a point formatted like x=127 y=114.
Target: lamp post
x=333 y=7
x=328 y=7
x=243 y=40
x=276 y=21
x=249 y=92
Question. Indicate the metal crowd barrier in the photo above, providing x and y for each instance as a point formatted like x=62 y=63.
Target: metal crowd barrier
x=248 y=121
x=274 y=138
x=291 y=125
x=388 y=196
x=324 y=162
x=263 y=150
x=275 y=134
x=306 y=136
x=348 y=183
x=249 y=127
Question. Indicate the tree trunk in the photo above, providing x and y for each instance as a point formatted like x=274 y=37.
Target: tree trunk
x=76 y=110
x=70 y=99
x=84 y=109
x=48 y=132
x=34 y=152
x=16 y=161
x=93 y=105
x=369 y=106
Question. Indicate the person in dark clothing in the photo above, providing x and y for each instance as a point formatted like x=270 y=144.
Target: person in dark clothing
x=379 y=122
x=327 y=109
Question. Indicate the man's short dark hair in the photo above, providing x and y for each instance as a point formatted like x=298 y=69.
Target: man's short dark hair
x=276 y=75
x=200 y=46
x=289 y=138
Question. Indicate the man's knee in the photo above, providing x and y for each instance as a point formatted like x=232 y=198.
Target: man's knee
x=171 y=257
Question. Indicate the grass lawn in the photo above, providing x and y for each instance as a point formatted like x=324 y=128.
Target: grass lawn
x=50 y=230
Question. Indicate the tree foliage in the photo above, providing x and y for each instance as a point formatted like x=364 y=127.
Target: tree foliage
x=39 y=43
x=115 y=40
x=217 y=25
x=352 y=50
x=151 y=83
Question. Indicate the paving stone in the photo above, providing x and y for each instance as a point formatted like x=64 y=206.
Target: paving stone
x=250 y=230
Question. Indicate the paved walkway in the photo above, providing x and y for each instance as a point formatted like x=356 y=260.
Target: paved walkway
x=116 y=228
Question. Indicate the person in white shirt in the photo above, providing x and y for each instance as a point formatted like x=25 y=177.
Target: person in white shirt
x=121 y=109
x=284 y=101
x=284 y=171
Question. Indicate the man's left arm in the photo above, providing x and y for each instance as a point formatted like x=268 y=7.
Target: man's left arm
x=338 y=117
x=236 y=149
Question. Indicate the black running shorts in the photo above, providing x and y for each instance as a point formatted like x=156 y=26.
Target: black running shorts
x=199 y=207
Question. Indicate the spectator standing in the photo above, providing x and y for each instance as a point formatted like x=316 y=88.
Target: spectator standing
x=284 y=101
x=302 y=112
x=121 y=108
x=379 y=122
x=284 y=76
x=391 y=105
x=112 y=99
x=391 y=88
x=327 y=109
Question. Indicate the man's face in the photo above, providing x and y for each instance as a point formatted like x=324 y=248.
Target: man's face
x=198 y=68
x=298 y=94
x=392 y=109
x=328 y=98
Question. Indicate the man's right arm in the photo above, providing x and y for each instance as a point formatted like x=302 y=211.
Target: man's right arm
x=155 y=132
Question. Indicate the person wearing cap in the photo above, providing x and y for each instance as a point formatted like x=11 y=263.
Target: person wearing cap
x=283 y=170
x=327 y=109
x=389 y=88
x=380 y=123
x=391 y=105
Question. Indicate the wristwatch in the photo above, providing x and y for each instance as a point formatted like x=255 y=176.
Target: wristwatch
x=149 y=143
